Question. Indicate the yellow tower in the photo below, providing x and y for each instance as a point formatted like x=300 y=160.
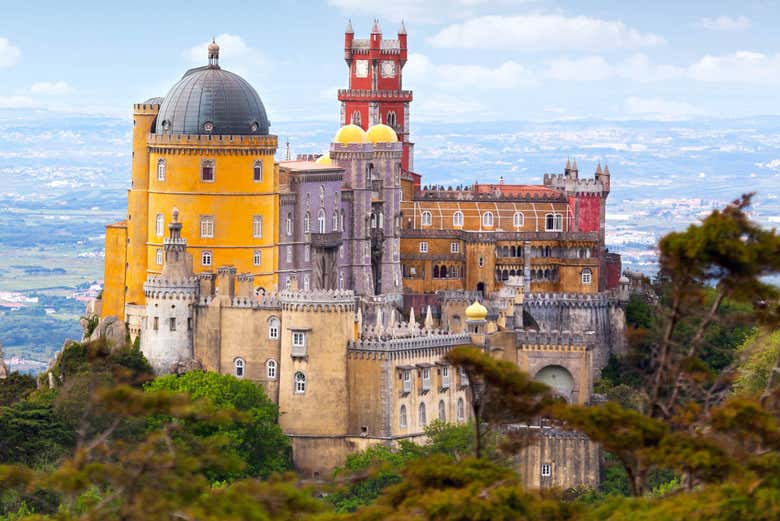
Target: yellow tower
x=206 y=150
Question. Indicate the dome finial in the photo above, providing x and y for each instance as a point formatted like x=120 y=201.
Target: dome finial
x=213 y=53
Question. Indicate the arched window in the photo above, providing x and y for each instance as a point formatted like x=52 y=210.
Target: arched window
x=335 y=221
x=289 y=224
x=461 y=410
x=402 y=417
x=518 y=219
x=391 y=119
x=381 y=220
x=427 y=218
x=443 y=272
x=300 y=383
x=270 y=369
x=159 y=256
x=587 y=276
x=205 y=258
x=442 y=411
x=435 y=271
x=161 y=169
x=159 y=225
x=307 y=223
x=457 y=218
x=356 y=118
x=257 y=171
x=553 y=222
x=321 y=221
x=238 y=367
x=307 y=253
x=341 y=219
x=421 y=415
x=487 y=219
x=257 y=258
x=273 y=328
x=257 y=226
x=341 y=280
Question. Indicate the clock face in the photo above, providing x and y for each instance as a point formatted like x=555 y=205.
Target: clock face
x=361 y=68
x=388 y=69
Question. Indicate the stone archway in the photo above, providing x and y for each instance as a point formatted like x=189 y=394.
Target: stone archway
x=559 y=379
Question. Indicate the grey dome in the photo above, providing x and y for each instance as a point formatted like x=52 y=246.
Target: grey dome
x=210 y=100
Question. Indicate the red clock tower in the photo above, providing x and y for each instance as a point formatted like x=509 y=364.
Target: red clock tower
x=375 y=93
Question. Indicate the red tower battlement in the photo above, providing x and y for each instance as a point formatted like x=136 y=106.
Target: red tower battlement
x=375 y=93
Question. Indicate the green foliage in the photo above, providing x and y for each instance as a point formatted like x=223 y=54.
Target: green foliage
x=759 y=353
x=254 y=437
x=14 y=387
x=639 y=313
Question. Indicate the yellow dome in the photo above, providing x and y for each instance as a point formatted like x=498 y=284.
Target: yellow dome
x=324 y=159
x=382 y=134
x=350 y=134
x=476 y=311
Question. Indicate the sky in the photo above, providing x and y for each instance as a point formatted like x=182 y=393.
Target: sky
x=469 y=60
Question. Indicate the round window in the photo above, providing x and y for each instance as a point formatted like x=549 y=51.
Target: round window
x=166 y=125
x=208 y=126
x=254 y=127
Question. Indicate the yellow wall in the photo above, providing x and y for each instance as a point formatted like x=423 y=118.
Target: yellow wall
x=115 y=266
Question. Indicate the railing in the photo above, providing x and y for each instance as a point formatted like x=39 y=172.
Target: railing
x=368 y=93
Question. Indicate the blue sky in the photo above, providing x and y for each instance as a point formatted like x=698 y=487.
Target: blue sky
x=470 y=60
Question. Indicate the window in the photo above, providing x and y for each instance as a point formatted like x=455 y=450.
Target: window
x=298 y=343
x=402 y=417
x=161 y=169
x=482 y=262
x=307 y=253
x=159 y=225
x=546 y=470
x=423 y=247
x=407 y=380
x=306 y=280
x=288 y=282
x=341 y=280
x=321 y=221
x=289 y=224
x=442 y=411
x=300 y=383
x=207 y=170
x=335 y=221
x=341 y=220
x=454 y=247
x=587 y=276
x=457 y=218
x=445 y=377
x=518 y=220
x=487 y=219
x=391 y=119
x=238 y=367
x=270 y=369
x=553 y=222
x=172 y=323
x=257 y=258
x=356 y=118
x=273 y=328
x=207 y=226
x=464 y=378
x=156 y=323
x=307 y=223
x=461 y=410
x=426 y=379
x=289 y=254
x=159 y=256
x=257 y=226
x=427 y=218
x=421 y=415
x=257 y=171
x=205 y=258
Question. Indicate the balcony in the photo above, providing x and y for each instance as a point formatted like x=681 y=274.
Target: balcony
x=368 y=95
x=326 y=240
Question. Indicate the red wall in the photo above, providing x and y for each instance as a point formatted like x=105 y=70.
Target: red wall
x=589 y=213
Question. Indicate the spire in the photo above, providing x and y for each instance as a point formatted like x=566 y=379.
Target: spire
x=568 y=164
x=349 y=29
x=213 y=54
x=606 y=169
x=402 y=29
x=376 y=29
x=574 y=165
x=175 y=227
x=598 y=168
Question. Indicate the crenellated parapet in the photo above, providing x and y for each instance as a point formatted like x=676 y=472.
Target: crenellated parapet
x=531 y=339
x=571 y=300
x=436 y=339
x=332 y=300
x=575 y=185
x=159 y=288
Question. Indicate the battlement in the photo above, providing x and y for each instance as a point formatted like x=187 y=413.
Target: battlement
x=570 y=184
x=146 y=109
x=460 y=193
x=568 y=299
x=159 y=288
x=371 y=95
x=556 y=340
x=208 y=140
x=436 y=338
x=318 y=300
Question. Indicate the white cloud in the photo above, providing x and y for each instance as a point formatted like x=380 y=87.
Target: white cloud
x=234 y=54
x=773 y=164
x=661 y=109
x=50 y=88
x=638 y=68
x=726 y=23
x=508 y=75
x=589 y=68
x=542 y=32
x=9 y=55
x=740 y=67
x=18 y=102
x=423 y=11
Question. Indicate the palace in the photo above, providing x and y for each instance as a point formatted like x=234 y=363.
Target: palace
x=339 y=282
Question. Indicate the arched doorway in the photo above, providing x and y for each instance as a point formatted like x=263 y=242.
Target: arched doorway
x=481 y=288
x=559 y=379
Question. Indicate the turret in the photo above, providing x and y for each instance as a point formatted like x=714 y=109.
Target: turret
x=402 y=42
x=603 y=177
x=476 y=315
x=349 y=36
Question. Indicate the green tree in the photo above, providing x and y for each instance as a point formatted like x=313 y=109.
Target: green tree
x=15 y=387
x=255 y=436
